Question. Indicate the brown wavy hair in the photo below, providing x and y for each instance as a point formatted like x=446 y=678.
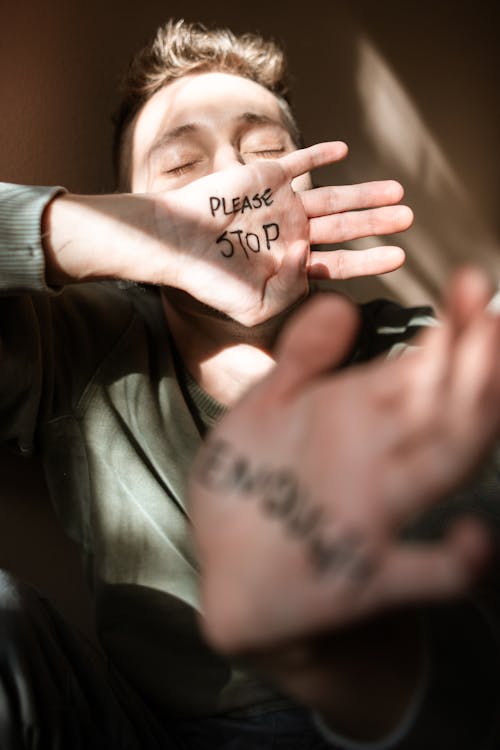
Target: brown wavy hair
x=181 y=48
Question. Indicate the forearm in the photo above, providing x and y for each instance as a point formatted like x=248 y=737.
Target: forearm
x=88 y=237
x=49 y=237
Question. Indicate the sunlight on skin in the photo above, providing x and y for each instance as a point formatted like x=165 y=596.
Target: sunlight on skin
x=189 y=129
x=200 y=125
x=208 y=108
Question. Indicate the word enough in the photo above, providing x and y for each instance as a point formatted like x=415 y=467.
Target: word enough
x=280 y=497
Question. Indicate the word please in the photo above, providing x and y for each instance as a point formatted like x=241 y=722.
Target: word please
x=240 y=204
x=248 y=240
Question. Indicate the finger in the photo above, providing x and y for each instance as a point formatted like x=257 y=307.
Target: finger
x=475 y=382
x=454 y=394
x=290 y=282
x=334 y=199
x=352 y=225
x=459 y=360
x=422 y=573
x=422 y=381
x=468 y=294
x=316 y=339
x=305 y=159
x=347 y=264
x=449 y=432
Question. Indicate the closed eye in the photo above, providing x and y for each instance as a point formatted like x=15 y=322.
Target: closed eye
x=268 y=153
x=181 y=169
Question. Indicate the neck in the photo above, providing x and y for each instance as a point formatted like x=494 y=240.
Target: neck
x=224 y=357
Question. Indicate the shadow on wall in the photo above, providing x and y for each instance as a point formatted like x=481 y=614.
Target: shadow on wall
x=413 y=93
x=455 y=232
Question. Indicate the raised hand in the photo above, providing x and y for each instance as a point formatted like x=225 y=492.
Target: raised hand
x=300 y=493
x=253 y=250
x=237 y=240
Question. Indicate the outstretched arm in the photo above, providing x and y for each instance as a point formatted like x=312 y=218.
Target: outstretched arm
x=300 y=494
x=238 y=240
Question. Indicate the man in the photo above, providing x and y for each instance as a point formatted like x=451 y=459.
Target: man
x=116 y=388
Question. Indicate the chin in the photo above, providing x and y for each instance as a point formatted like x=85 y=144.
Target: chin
x=188 y=306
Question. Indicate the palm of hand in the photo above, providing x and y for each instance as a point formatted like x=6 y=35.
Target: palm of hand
x=301 y=493
x=243 y=235
x=250 y=258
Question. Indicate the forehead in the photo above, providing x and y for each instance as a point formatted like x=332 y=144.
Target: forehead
x=211 y=100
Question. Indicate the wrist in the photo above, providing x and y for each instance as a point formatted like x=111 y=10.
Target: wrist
x=70 y=226
x=89 y=237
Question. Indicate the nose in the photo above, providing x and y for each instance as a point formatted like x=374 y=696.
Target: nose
x=226 y=156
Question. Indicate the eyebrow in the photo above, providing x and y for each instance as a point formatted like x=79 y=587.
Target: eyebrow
x=172 y=135
x=254 y=119
x=250 y=118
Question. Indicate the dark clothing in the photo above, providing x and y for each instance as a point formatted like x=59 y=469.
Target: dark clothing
x=59 y=692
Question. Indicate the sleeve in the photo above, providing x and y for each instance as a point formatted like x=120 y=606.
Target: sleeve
x=22 y=273
x=461 y=708
x=393 y=740
x=457 y=703
x=50 y=344
x=22 y=265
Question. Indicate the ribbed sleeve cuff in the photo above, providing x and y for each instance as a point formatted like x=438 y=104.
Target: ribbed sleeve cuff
x=404 y=726
x=22 y=262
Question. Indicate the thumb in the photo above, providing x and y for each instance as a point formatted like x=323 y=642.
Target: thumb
x=469 y=293
x=315 y=341
x=290 y=282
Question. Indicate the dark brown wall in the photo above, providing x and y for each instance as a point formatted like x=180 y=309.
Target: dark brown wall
x=412 y=87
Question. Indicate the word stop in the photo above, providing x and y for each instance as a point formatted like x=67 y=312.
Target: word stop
x=248 y=241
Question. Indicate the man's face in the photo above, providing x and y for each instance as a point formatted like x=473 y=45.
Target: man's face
x=201 y=124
